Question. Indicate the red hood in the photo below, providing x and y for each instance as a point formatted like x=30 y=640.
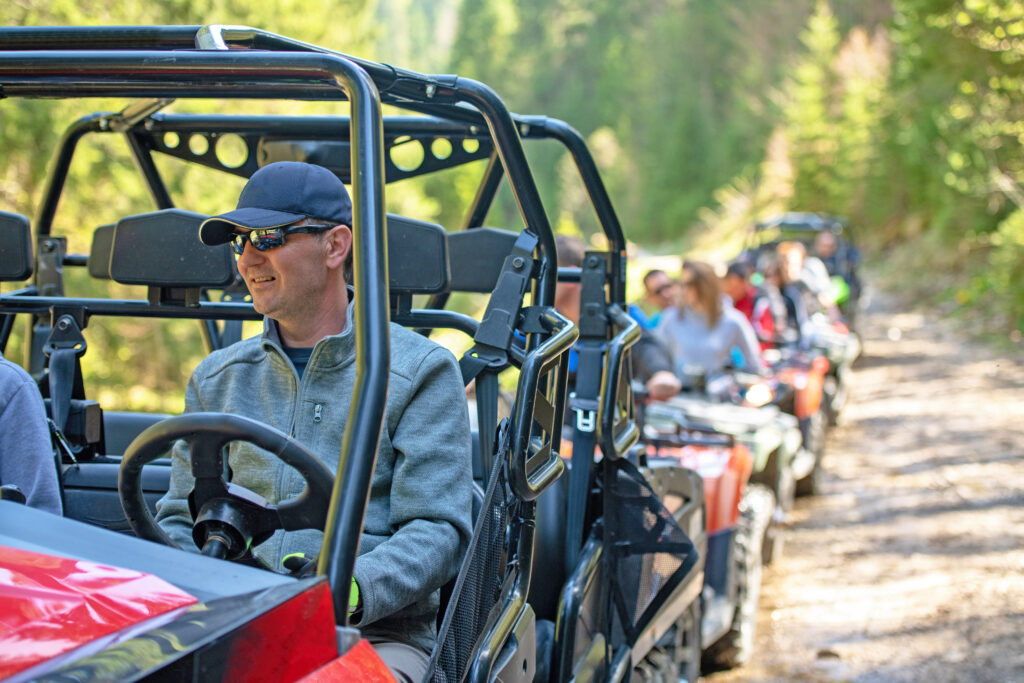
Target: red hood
x=51 y=605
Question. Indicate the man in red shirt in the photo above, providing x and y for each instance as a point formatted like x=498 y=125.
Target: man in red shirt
x=755 y=305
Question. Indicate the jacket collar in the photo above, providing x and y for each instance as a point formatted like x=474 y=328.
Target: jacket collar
x=332 y=350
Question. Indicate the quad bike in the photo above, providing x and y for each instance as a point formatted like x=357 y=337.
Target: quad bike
x=796 y=385
x=738 y=517
x=628 y=597
x=724 y=403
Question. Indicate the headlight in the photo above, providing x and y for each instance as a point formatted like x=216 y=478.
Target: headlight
x=758 y=395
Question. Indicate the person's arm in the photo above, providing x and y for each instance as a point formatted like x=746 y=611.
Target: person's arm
x=652 y=365
x=431 y=495
x=746 y=340
x=26 y=450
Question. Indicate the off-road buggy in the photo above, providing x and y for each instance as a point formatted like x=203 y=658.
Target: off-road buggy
x=489 y=629
x=843 y=264
x=836 y=340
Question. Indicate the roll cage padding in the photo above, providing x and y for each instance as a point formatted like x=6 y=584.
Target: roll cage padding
x=418 y=261
x=477 y=257
x=137 y=252
x=15 y=247
x=162 y=249
x=98 y=262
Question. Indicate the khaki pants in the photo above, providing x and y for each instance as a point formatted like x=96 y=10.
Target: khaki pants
x=407 y=662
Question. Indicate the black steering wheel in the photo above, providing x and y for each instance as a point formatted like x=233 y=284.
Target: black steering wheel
x=228 y=518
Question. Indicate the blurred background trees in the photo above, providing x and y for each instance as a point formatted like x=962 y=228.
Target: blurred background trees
x=907 y=116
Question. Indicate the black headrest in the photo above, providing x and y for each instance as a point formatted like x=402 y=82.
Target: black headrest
x=162 y=249
x=15 y=247
x=417 y=256
x=99 y=252
x=477 y=256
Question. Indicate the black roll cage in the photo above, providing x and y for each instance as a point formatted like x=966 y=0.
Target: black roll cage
x=218 y=62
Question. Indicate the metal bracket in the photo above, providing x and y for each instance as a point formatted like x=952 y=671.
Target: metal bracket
x=586 y=412
x=66 y=333
x=50 y=268
x=133 y=114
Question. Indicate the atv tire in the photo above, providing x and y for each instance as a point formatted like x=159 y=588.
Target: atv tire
x=814 y=440
x=676 y=658
x=737 y=645
x=689 y=644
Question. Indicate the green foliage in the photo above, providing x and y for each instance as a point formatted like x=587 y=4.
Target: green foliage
x=905 y=115
x=685 y=89
x=138 y=364
x=995 y=288
x=957 y=79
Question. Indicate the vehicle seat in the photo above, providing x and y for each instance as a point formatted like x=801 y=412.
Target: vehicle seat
x=15 y=247
x=99 y=252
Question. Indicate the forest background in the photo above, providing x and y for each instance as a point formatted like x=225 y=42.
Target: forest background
x=903 y=115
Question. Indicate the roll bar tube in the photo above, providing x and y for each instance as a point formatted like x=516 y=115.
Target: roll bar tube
x=220 y=74
x=602 y=203
x=614 y=445
x=527 y=485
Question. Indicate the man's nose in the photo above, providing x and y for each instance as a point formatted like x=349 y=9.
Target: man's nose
x=250 y=254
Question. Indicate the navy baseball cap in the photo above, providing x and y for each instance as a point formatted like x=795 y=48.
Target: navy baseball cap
x=279 y=194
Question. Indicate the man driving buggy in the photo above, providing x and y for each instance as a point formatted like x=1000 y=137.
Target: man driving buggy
x=292 y=236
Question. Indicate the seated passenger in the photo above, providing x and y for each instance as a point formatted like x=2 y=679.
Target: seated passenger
x=650 y=364
x=26 y=449
x=755 y=303
x=802 y=301
x=826 y=249
x=291 y=232
x=701 y=332
x=661 y=292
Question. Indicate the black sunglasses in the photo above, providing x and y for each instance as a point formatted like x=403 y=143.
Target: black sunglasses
x=271 y=238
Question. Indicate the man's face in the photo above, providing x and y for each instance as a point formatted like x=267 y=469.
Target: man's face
x=662 y=290
x=287 y=283
x=734 y=286
x=791 y=264
x=825 y=244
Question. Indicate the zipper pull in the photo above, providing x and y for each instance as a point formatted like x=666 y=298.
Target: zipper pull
x=318 y=410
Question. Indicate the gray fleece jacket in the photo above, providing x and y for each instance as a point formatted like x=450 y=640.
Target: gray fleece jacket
x=419 y=516
x=26 y=452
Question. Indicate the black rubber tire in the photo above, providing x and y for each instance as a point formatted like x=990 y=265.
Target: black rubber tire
x=814 y=440
x=689 y=652
x=773 y=543
x=677 y=655
x=737 y=645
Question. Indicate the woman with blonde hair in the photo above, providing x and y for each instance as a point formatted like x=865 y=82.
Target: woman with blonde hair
x=702 y=331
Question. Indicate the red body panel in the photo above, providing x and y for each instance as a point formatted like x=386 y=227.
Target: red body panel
x=288 y=642
x=51 y=605
x=360 y=663
x=808 y=386
x=724 y=471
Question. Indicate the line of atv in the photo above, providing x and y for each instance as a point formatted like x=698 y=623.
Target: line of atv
x=758 y=441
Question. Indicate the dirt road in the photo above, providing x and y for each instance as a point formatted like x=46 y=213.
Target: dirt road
x=910 y=565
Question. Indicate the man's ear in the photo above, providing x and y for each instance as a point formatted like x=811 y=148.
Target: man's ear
x=339 y=244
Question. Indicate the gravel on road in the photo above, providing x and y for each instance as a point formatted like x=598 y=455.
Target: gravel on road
x=910 y=565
